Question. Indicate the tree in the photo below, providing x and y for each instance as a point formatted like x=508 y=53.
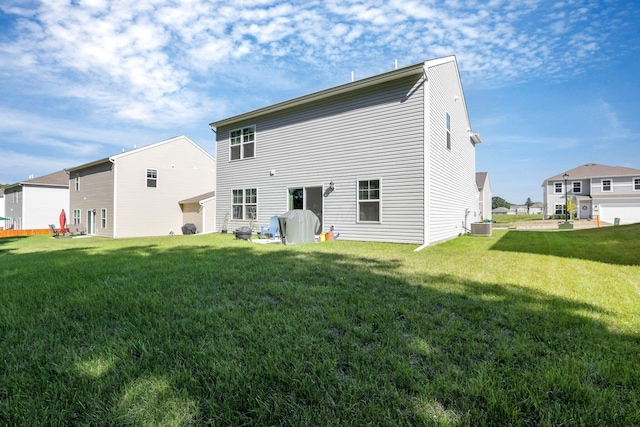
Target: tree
x=571 y=207
x=528 y=204
x=499 y=202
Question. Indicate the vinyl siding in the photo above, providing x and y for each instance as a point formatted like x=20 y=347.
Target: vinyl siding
x=619 y=186
x=452 y=188
x=95 y=192
x=42 y=206
x=192 y=213
x=370 y=133
x=13 y=210
x=184 y=170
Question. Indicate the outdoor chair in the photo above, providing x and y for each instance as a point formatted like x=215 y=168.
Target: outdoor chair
x=272 y=230
x=54 y=230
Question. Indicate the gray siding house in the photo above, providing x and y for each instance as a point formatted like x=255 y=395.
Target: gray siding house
x=388 y=158
x=608 y=191
x=35 y=203
x=138 y=193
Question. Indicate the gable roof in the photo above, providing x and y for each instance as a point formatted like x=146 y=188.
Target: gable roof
x=55 y=179
x=481 y=179
x=198 y=199
x=137 y=150
x=594 y=170
x=410 y=70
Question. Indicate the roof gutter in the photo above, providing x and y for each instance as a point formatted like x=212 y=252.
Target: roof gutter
x=347 y=87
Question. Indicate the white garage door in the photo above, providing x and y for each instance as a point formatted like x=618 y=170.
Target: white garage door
x=627 y=212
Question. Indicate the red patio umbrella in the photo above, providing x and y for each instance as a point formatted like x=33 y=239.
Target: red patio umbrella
x=63 y=222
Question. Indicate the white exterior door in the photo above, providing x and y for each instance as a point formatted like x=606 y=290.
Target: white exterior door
x=91 y=222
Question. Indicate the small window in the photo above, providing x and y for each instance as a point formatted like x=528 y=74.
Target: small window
x=369 y=200
x=76 y=216
x=15 y=197
x=558 y=187
x=636 y=184
x=606 y=185
x=242 y=143
x=152 y=178
x=560 y=210
x=577 y=186
x=77 y=182
x=103 y=218
x=448 y=131
x=244 y=204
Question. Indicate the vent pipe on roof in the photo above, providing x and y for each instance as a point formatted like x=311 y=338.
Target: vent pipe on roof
x=352 y=76
x=396 y=64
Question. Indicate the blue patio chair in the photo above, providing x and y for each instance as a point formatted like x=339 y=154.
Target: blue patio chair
x=272 y=230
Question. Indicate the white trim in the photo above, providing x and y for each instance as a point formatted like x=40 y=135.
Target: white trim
x=115 y=197
x=555 y=188
x=379 y=201
x=146 y=177
x=573 y=187
x=242 y=143
x=426 y=155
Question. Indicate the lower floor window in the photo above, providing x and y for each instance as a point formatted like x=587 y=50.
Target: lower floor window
x=103 y=218
x=560 y=210
x=244 y=204
x=369 y=200
x=76 y=216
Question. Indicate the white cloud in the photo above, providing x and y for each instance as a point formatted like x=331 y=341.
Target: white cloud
x=140 y=60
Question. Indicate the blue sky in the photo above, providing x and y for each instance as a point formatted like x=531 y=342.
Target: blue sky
x=549 y=85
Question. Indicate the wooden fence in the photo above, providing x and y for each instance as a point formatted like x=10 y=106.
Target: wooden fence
x=19 y=233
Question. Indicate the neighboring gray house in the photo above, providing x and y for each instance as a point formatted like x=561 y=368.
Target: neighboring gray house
x=388 y=158
x=137 y=193
x=608 y=191
x=37 y=202
x=484 y=195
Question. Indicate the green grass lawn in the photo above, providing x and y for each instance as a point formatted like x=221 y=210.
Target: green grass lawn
x=523 y=328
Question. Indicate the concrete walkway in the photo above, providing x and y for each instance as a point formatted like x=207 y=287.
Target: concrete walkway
x=552 y=224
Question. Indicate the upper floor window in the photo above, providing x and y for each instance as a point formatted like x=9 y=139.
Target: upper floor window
x=448 y=131
x=369 y=200
x=152 y=178
x=558 y=187
x=242 y=143
x=606 y=185
x=15 y=197
x=636 y=184
x=577 y=186
x=244 y=204
x=77 y=182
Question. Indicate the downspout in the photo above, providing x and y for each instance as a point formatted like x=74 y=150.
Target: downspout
x=204 y=216
x=115 y=195
x=426 y=158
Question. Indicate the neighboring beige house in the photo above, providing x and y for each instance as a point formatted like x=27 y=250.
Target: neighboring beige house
x=612 y=192
x=138 y=193
x=37 y=202
x=200 y=211
x=484 y=195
